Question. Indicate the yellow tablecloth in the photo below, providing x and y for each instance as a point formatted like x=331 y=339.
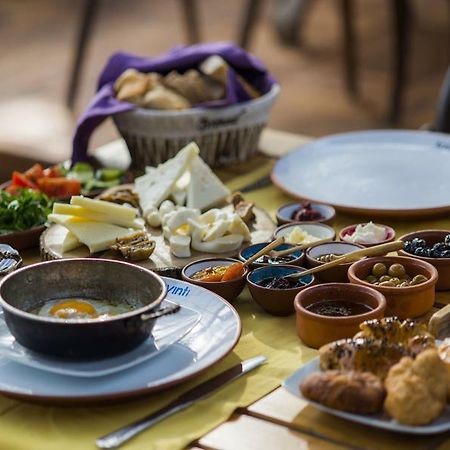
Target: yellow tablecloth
x=26 y=426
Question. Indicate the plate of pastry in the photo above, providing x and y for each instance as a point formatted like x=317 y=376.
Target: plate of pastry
x=392 y=375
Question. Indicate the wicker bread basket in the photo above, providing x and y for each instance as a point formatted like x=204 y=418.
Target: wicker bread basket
x=224 y=135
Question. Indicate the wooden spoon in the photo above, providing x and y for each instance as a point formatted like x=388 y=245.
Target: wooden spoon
x=299 y=247
x=376 y=250
x=237 y=269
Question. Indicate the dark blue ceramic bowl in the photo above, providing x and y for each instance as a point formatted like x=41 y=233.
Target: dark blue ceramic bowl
x=296 y=257
x=279 y=302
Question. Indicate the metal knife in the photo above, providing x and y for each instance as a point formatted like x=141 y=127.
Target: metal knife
x=116 y=438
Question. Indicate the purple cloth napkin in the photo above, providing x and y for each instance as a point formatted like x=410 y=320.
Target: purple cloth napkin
x=182 y=58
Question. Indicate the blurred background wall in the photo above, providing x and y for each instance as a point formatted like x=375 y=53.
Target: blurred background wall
x=37 y=40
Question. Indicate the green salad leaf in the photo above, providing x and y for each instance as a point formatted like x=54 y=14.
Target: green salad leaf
x=22 y=211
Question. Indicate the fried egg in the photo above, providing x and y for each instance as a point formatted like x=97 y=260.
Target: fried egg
x=81 y=308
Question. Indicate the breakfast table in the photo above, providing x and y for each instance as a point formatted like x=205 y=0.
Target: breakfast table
x=253 y=412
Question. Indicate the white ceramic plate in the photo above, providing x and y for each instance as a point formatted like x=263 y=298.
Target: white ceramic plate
x=291 y=384
x=211 y=339
x=167 y=331
x=386 y=172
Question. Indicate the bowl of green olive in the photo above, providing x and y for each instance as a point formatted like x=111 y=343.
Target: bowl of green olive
x=407 y=283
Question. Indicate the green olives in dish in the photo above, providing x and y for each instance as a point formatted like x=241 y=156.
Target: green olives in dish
x=379 y=269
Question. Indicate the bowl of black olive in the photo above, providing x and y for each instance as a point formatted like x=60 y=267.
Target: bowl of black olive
x=294 y=258
x=274 y=291
x=432 y=246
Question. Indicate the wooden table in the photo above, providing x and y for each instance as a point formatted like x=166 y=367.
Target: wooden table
x=280 y=421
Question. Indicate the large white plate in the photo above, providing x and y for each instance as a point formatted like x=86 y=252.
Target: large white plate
x=291 y=384
x=214 y=336
x=386 y=172
x=167 y=331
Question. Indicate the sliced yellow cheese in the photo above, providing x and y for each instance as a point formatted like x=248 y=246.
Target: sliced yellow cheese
x=89 y=214
x=98 y=236
x=104 y=207
x=70 y=242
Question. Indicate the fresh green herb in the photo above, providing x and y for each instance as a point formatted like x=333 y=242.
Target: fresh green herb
x=25 y=210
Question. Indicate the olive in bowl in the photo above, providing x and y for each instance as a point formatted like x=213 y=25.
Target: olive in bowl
x=407 y=283
x=328 y=312
x=329 y=251
x=432 y=246
x=295 y=258
x=274 y=293
x=306 y=212
x=202 y=273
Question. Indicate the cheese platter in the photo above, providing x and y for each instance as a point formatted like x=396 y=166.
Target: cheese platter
x=174 y=214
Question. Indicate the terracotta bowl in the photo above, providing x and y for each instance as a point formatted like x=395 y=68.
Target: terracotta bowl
x=229 y=290
x=390 y=234
x=284 y=214
x=316 y=330
x=279 y=302
x=22 y=240
x=442 y=265
x=248 y=252
x=403 y=302
x=319 y=230
x=337 y=274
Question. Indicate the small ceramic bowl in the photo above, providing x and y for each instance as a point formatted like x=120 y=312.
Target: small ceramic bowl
x=389 y=236
x=295 y=258
x=337 y=274
x=318 y=230
x=442 y=265
x=279 y=302
x=229 y=290
x=285 y=213
x=316 y=330
x=403 y=302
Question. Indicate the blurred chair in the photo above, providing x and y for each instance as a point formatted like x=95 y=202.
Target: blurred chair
x=442 y=121
x=290 y=15
x=88 y=15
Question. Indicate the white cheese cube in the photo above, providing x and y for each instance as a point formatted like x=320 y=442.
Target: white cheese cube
x=180 y=246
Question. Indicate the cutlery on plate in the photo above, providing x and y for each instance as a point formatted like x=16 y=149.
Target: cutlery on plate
x=376 y=250
x=116 y=438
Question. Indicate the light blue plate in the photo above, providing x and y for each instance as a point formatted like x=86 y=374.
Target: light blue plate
x=386 y=172
x=213 y=337
x=291 y=384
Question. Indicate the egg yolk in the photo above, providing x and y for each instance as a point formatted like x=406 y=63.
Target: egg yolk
x=71 y=308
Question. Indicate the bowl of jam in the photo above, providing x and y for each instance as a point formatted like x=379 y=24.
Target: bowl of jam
x=332 y=311
x=273 y=291
x=306 y=212
x=214 y=274
x=295 y=258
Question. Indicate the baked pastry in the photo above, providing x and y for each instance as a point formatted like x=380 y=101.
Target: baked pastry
x=356 y=392
x=132 y=85
x=163 y=98
x=417 y=389
x=392 y=330
x=193 y=86
x=364 y=355
x=444 y=353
